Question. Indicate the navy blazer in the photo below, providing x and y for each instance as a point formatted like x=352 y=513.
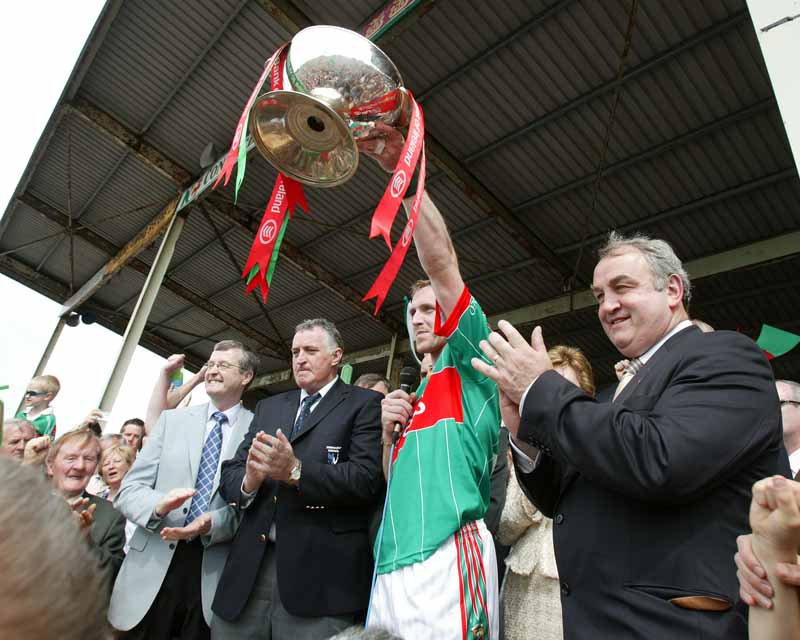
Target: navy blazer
x=324 y=560
x=649 y=492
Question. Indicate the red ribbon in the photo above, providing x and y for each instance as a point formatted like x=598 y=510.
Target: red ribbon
x=286 y=194
x=230 y=161
x=380 y=288
x=385 y=213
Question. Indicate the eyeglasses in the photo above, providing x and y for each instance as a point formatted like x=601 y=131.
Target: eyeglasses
x=35 y=393
x=222 y=366
x=794 y=402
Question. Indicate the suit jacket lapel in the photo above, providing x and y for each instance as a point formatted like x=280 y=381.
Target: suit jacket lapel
x=654 y=363
x=196 y=435
x=337 y=394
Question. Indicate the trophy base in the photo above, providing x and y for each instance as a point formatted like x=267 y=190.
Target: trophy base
x=303 y=138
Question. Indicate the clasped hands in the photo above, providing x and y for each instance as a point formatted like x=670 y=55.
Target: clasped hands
x=515 y=364
x=775 y=521
x=269 y=457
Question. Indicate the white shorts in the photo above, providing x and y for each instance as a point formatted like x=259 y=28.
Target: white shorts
x=450 y=596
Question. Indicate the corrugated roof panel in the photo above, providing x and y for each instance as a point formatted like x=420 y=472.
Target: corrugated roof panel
x=128 y=75
x=62 y=185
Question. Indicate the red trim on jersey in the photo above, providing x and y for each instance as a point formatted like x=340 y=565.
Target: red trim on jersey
x=454 y=318
x=477 y=561
x=461 y=589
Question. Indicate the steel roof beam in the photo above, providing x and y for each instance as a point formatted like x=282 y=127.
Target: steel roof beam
x=56 y=290
x=127 y=255
x=761 y=252
x=110 y=126
x=300 y=261
x=640 y=69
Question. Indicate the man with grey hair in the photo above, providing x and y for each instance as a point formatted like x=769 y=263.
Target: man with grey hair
x=16 y=434
x=648 y=491
x=305 y=481
x=168 y=579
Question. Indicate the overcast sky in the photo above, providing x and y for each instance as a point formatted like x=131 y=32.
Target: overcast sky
x=40 y=41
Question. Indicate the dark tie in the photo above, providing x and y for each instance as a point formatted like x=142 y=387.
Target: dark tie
x=209 y=461
x=305 y=409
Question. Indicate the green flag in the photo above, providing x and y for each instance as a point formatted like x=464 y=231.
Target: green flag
x=775 y=342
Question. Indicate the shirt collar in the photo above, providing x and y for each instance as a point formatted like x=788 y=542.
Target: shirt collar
x=794 y=462
x=683 y=324
x=232 y=413
x=321 y=392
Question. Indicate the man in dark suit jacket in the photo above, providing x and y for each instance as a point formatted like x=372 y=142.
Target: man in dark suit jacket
x=649 y=490
x=306 y=478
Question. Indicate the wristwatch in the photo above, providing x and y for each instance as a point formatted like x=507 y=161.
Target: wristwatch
x=294 y=474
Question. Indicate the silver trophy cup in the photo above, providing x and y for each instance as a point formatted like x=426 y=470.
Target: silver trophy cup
x=336 y=85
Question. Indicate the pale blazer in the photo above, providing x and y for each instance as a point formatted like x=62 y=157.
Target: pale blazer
x=170 y=459
x=530 y=534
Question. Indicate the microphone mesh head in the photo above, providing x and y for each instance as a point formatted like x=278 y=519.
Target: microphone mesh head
x=409 y=376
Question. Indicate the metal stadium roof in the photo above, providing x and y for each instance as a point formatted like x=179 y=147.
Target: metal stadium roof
x=545 y=130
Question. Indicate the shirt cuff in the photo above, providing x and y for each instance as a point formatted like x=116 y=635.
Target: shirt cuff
x=526 y=457
x=247 y=498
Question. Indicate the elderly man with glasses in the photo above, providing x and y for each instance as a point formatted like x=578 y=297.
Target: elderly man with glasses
x=168 y=580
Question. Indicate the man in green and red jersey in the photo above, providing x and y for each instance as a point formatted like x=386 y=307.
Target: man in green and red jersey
x=437 y=575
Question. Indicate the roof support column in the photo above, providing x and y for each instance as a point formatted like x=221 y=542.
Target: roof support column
x=48 y=351
x=141 y=312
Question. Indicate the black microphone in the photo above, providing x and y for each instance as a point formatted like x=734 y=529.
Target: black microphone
x=409 y=377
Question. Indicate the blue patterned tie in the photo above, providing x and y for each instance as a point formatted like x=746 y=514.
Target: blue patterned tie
x=305 y=409
x=209 y=461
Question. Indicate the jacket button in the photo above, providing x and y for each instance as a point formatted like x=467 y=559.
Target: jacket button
x=171 y=545
x=274 y=498
x=185 y=510
x=262 y=538
x=564 y=589
x=559 y=518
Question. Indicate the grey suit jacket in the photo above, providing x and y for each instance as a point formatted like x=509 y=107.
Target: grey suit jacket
x=170 y=459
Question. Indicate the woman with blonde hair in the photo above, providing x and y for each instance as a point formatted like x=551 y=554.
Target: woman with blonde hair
x=531 y=597
x=115 y=462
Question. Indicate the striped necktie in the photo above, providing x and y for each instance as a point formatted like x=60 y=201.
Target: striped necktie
x=209 y=461
x=630 y=371
x=305 y=409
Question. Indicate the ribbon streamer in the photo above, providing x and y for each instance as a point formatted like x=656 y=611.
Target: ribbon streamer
x=385 y=213
x=380 y=288
x=234 y=152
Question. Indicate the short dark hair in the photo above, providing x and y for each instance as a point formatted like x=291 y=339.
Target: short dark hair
x=137 y=421
x=419 y=284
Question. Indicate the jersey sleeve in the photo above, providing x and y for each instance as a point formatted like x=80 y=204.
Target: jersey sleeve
x=464 y=329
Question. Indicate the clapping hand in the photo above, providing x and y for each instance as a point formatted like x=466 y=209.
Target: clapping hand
x=174 y=499
x=516 y=363
x=200 y=526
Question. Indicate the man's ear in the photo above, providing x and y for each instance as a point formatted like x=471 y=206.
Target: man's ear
x=674 y=290
x=337 y=356
x=247 y=378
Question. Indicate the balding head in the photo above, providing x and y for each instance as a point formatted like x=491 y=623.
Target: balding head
x=16 y=434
